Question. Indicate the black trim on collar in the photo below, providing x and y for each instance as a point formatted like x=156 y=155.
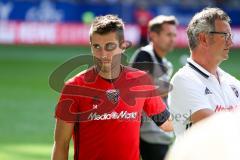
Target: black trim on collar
x=198 y=70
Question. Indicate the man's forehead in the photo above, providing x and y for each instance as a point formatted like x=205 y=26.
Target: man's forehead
x=222 y=25
x=104 y=38
x=167 y=26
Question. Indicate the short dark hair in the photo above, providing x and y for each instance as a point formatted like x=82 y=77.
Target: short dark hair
x=106 y=24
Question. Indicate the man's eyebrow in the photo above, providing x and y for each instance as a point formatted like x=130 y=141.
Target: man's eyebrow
x=105 y=42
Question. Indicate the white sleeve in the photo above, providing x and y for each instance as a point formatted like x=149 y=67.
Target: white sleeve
x=186 y=97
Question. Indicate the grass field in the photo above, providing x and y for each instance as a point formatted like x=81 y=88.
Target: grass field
x=27 y=102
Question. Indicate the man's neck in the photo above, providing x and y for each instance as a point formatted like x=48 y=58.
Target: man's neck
x=207 y=64
x=160 y=53
x=113 y=74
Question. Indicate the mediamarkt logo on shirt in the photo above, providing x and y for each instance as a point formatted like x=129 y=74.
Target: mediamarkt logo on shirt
x=220 y=108
x=113 y=115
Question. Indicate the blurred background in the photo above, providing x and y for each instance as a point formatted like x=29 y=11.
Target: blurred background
x=37 y=36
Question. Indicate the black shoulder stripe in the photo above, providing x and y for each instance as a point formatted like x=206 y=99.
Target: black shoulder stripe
x=198 y=70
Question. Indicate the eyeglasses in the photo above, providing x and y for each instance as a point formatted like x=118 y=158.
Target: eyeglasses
x=227 y=36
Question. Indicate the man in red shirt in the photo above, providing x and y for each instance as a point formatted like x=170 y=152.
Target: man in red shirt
x=101 y=107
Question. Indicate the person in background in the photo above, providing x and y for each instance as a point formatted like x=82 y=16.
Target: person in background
x=162 y=31
x=142 y=17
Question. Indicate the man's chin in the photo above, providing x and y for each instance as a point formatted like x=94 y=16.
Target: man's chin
x=226 y=56
x=169 y=49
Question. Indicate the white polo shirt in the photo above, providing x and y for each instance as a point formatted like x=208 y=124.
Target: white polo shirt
x=194 y=88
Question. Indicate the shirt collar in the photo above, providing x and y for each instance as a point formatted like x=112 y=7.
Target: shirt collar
x=198 y=68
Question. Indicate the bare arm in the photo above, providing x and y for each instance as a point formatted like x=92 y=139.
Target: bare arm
x=62 y=137
x=201 y=114
x=195 y=117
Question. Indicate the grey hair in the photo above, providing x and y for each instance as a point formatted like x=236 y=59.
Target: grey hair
x=204 y=21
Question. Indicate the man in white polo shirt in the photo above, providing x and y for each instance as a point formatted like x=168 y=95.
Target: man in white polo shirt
x=201 y=88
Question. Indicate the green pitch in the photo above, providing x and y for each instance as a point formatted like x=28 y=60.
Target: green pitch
x=27 y=102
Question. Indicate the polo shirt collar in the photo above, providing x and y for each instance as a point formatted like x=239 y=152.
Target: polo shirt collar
x=198 y=68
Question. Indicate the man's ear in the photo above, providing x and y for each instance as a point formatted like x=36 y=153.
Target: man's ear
x=152 y=35
x=90 y=45
x=203 y=39
x=125 y=44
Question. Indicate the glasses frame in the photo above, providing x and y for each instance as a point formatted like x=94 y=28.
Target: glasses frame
x=227 y=36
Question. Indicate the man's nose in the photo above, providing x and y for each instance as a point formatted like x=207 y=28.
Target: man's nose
x=230 y=42
x=105 y=54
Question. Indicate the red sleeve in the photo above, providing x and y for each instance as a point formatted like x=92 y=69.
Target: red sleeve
x=153 y=103
x=67 y=106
